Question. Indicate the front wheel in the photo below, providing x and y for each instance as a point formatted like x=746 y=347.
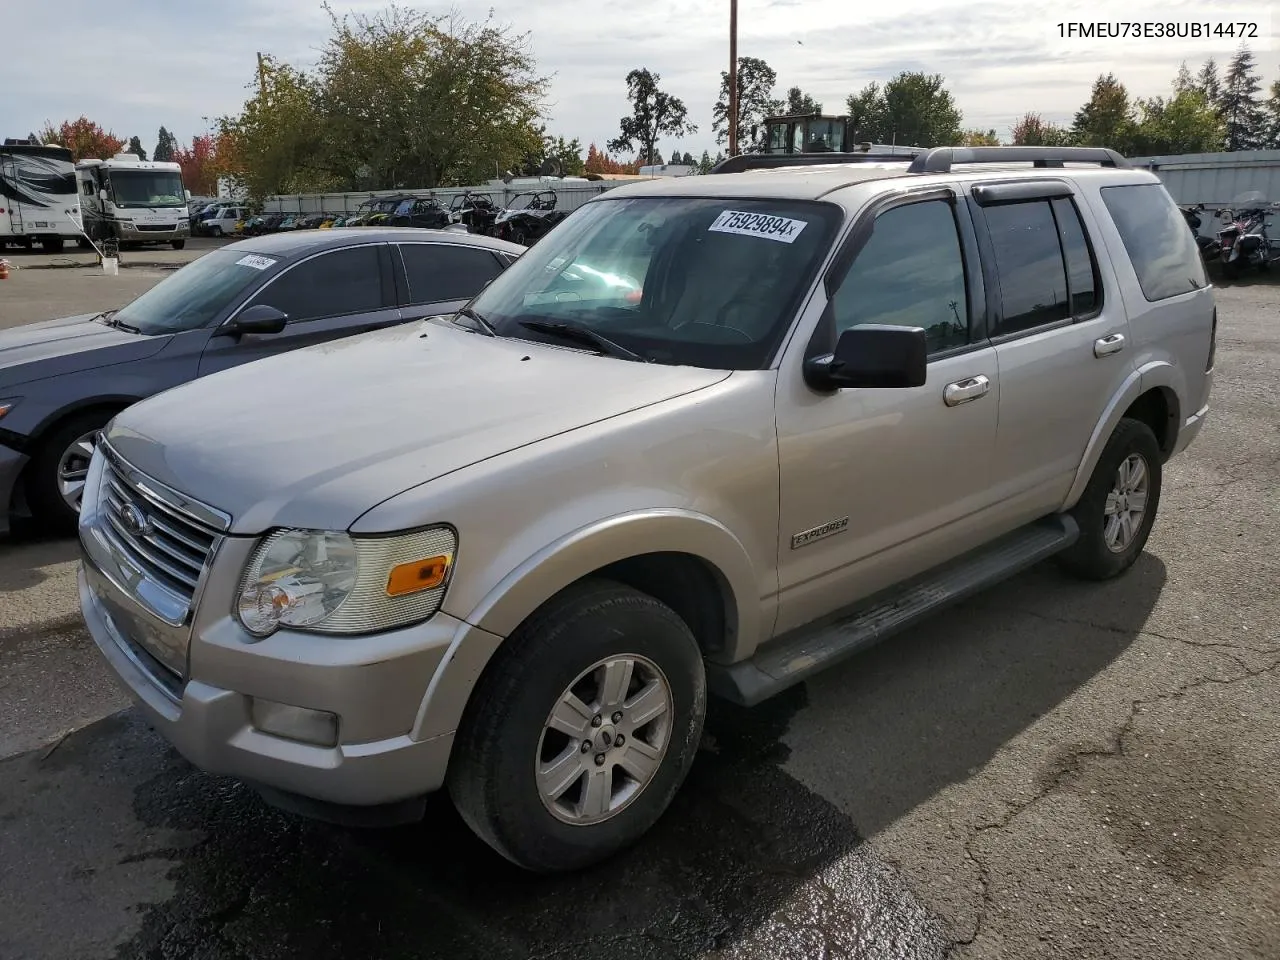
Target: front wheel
x=56 y=475
x=581 y=730
x=1118 y=507
x=177 y=244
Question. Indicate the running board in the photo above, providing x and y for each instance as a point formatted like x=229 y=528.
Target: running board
x=794 y=658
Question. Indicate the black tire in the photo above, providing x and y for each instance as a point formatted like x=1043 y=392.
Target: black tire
x=52 y=245
x=1231 y=269
x=215 y=231
x=1090 y=558
x=177 y=244
x=41 y=475
x=492 y=773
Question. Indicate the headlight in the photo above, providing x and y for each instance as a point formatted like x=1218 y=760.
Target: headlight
x=6 y=406
x=326 y=582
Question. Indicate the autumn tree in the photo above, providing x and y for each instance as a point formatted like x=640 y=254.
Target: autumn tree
x=1241 y=112
x=600 y=162
x=654 y=114
x=1033 y=131
x=166 y=144
x=980 y=138
x=800 y=102
x=84 y=138
x=1107 y=118
x=200 y=166
x=756 y=80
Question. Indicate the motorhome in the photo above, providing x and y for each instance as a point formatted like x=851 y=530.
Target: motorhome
x=38 y=198
x=134 y=201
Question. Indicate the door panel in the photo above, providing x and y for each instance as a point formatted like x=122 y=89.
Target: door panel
x=877 y=484
x=339 y=293
x=1061 y=341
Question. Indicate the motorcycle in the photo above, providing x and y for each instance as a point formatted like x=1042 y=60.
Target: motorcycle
x=1209 y=247
x=1244 y=240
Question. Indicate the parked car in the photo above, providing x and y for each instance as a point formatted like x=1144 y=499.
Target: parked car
x=421 y=212
x=62 y=380
x=510 y=551
x=475 y=211
x=222 y=221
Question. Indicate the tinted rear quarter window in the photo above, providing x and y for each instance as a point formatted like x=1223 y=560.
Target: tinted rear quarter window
x=1156 y=238
x=330 y=285
x=1082 y=281
x=441 y=271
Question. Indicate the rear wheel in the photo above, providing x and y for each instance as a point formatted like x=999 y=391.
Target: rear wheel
x=52 y=244
x=581 y=730
x=56 y=476
x=177 y=244
x=1118 y=507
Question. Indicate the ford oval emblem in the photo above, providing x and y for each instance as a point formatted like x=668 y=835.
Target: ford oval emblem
x=135 y=522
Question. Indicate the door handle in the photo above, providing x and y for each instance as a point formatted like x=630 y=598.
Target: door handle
x=1105 y=346
x=963 y=391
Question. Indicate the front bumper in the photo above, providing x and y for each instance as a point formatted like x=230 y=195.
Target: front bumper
x=210 y=723
x=11 y=465
x=131 y=232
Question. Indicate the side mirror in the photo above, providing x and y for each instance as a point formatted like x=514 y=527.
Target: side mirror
x=188 y=193
x=102 y=195
x=261 y=318
x=872 y=355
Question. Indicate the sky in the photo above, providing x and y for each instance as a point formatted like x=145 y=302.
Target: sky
x=133 y=65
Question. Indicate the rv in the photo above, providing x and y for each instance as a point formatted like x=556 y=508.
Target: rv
x=134 y=201
x=38 y=199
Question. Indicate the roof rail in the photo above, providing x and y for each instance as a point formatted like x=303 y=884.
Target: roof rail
x=768 y=161
x=940 y=159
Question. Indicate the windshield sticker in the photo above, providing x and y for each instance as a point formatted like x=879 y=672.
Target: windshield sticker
x=255 y=261
x=782 y=229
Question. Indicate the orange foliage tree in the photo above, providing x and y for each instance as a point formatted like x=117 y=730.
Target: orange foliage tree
x=207 y=159
x=84 y=138
x=599 y=161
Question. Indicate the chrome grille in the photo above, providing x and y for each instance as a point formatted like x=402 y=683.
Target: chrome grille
x=169 y=547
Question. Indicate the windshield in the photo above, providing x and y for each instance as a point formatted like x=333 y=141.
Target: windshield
x=197 y=293
x=703 y=282
x=147 y=188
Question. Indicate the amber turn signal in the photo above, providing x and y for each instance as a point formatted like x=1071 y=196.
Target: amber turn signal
x=417 y=575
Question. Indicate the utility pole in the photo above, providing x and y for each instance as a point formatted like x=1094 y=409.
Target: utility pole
x=733 y=78
x=262 y=78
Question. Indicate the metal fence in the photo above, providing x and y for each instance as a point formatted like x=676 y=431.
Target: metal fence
x=568 y=196
x=1216 y=179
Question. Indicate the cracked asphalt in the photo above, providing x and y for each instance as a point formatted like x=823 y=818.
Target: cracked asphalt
x=1051 y=770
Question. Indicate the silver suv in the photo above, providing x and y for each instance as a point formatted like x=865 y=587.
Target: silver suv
x=714 y=433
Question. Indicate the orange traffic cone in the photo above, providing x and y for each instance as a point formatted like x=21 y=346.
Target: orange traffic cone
x=4 y=269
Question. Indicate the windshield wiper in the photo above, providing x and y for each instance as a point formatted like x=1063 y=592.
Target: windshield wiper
x=577 y=334
x=105 y=316
x=485 y=325
x=109 y=318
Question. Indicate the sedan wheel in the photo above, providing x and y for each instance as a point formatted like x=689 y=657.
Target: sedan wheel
x=73 y=469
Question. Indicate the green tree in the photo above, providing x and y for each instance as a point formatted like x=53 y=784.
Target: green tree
x=704 y=163
x=1033 y=131
x=866 y=113
x=33 y=138
x=654 y=114
x=135 y=147
x=914 y=109
x=413 y=99
x=1107 y=119
x=800 y=102
x=980 y=138
x=278 y=143
x=1183 y=123
x=756 y=80
x=1208 y=83
x=166 y=144
x=1241 y=112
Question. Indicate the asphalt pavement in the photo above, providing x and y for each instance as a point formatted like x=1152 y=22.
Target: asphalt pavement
x=1051 y=770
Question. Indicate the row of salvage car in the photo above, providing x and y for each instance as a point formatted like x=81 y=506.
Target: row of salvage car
x=524 y=220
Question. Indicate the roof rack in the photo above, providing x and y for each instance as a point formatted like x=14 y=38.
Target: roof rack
x=767 y=161
x=940 y=159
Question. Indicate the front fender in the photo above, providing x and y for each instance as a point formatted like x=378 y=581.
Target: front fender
x=1153 y=375
x=569 y=559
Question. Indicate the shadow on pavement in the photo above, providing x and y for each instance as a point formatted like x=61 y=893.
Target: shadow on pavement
x=25 y=550
x=748 y=862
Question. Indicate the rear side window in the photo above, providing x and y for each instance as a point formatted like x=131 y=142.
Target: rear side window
x=1082 y=271
x=331 y=285
x=1161 y=248
x=1033 y=280
x=440 y=271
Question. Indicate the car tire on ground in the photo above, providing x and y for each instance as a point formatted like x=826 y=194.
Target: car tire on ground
x=177 y=244
x=56 y=474
x=1118 y=507
x=582 y=728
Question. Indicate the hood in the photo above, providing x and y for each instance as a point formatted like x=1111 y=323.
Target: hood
x=316 y=437
x=51 y=348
